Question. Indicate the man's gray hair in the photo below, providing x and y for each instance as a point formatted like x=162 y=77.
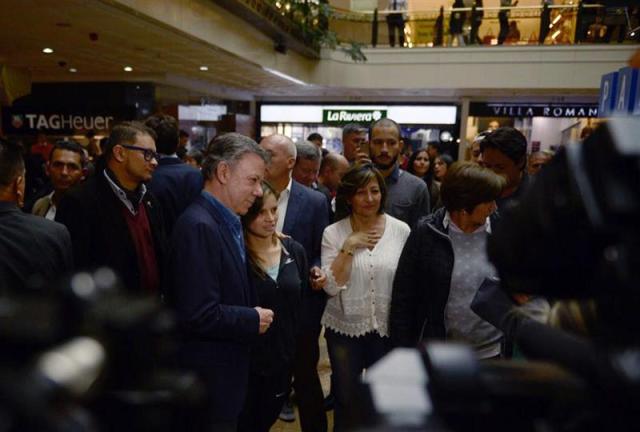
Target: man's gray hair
x=229 y=148
x=352 y=128
x=308 y=151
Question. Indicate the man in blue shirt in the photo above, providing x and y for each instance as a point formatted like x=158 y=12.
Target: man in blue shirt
x=210 y=289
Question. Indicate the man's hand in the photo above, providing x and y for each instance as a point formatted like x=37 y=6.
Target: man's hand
x=266 y=318
x=318 y=278
x=362 y=158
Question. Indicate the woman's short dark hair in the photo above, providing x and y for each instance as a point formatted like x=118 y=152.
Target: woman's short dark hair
x=357 y=177
x=468 y=184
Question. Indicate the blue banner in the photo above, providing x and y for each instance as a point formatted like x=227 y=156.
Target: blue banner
x=626 y=92
x=608 y=92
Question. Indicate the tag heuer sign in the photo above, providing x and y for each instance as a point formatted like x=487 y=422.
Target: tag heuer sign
x=338 y=116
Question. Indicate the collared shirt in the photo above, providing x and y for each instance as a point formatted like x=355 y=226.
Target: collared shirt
x=51 y=212
x=231 y=220
x=407 y=197
x=283 y=203
x=447 y=221
x=171 y=156
x=125 y=197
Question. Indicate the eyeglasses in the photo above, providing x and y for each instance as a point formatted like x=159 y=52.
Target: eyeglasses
x=148 y=154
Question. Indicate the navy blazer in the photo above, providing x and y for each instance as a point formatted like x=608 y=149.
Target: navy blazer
x=307 y=217
x=175 y=185
x=213 y=301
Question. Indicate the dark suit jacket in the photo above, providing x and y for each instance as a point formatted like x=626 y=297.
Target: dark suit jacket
x=99 y=233
x=307 y=217
x=31 y=246
x=213 y=300
x=175 y=185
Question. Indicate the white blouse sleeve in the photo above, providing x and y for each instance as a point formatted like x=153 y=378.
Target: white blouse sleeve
x=331 y=244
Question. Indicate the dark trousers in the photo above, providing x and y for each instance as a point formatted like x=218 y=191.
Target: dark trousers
x=395 y=21
x=306 y=381
x=265 y=396
x=503 y=19
x=349 y=357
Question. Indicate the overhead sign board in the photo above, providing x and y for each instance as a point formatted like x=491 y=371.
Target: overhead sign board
x=339 y=117
x=363 y=114
x=626 y=90
x=608 y=92
x=19 y=121
x=497 y=109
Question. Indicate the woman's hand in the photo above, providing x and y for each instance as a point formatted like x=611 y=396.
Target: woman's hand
x=318 y=278
x=361 y=239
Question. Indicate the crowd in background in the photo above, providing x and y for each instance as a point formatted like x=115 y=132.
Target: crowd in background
x=257 y=246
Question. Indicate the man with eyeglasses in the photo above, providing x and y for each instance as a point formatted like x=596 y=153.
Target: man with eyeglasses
x=112 y=219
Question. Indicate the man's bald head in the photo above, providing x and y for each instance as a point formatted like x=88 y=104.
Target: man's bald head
x=333 y=167
x=283 y=157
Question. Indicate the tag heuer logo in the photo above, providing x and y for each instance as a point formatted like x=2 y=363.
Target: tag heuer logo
x=17 y=121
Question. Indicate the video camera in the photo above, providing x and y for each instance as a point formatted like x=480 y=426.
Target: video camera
x=85 y=356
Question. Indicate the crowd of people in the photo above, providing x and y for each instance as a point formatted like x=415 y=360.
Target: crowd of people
x=258 y=246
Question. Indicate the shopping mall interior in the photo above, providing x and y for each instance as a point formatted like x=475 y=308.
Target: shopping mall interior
x=295 y=67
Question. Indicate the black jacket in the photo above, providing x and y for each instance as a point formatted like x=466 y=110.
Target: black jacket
x=422 y=283
x=31 y=247
x=100 y=237
x=175 y=185
x=274 y=350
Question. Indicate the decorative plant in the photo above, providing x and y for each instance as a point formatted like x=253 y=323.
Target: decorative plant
x=313 y=21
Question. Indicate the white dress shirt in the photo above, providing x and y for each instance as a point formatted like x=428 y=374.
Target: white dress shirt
x=283 y=203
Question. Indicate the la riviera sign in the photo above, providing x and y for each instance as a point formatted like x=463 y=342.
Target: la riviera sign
x=338 y=116
x=481 y=109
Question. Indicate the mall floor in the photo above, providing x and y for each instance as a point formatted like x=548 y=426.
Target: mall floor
x=324 y=370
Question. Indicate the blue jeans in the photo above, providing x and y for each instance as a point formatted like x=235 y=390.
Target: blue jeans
x=349 y=357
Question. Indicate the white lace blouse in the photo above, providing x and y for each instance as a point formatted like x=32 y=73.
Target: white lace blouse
x=362 y=304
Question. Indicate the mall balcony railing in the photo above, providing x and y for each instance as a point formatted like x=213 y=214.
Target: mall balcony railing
x=515 y=25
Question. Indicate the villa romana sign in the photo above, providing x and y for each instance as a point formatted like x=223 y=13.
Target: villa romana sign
x=338 y=116
x=532 y=110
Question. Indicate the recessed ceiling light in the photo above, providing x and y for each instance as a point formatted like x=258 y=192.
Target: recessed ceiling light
x=47 y=50
x=204 y=68
x=128 y=69
x=73 y=70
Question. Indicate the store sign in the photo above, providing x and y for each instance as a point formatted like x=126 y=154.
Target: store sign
x=608 y=92
x=480 y=109
x=337 y=116
x=626 y=91
x=27 y=121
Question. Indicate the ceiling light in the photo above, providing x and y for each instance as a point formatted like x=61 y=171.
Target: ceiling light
x=128 y=69
x=555 y=35
x=47 y=50
x=204 y=68
x=285 y=76
x=73 y=70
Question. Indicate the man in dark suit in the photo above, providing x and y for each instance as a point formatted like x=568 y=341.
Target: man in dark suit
x=174 y=184
x=209 y=285
x=303 y=215
x=33 y=250
x=112 y=219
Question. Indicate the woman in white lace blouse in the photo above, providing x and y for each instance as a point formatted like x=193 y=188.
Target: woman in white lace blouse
x=360 y=254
